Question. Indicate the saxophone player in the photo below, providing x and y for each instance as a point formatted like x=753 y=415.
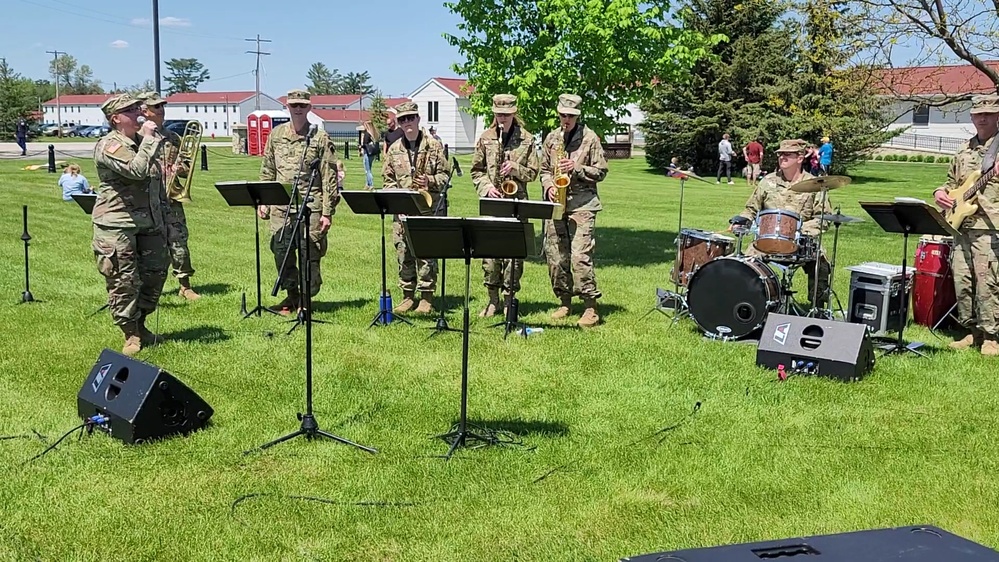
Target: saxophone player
x=503 y=164
x=154 y=109
x=573 y=153
x=416 y=162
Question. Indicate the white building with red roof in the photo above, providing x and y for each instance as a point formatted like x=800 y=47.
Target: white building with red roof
x=75 y=109
x=217 y=111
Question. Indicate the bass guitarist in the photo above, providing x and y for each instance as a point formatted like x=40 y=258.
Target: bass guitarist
x=976 y=254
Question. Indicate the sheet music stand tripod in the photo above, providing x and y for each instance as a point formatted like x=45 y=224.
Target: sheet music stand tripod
x=253 y=194
x=86 y=202
x=906 y=218
x=384 y=202
x=467 y=239
x=523 y=210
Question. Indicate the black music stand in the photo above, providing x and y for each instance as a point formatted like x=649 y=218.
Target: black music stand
x=523 y=210
x=440 y=209
x=86 y=202
x=468 y=238
x=384 y=202
x=253 y=194
x=907 y=218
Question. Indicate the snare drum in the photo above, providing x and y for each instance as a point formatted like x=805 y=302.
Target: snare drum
x=729 y=298
x=777 y=232
x=694 y=248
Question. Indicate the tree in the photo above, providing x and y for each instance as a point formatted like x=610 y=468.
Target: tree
x=185 y=75
x=17 y=99
x=62 y=69
x=324 y=82
x=356 y=83
x=44 y=90
x=84 y=83
x=609 y=52
x=378 y=113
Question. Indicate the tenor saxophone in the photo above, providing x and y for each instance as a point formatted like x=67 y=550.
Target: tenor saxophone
x=561 y=180
x=187 y=153
x=507 y=186
x=420 y=169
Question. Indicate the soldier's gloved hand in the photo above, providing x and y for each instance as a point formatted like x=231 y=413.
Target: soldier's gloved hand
x=264 y=212
x=494 y=193
x=324 y=223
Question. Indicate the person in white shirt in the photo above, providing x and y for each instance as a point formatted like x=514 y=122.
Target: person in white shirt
x=725 y=154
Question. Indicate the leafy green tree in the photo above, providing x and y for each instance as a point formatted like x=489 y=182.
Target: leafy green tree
x=378 y=112
x=322 y=80
x=17 y=99
x=609 y=52
x=185 y=75
x=356 y=83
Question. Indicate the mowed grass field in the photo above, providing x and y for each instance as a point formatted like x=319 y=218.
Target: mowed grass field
x=616 y=459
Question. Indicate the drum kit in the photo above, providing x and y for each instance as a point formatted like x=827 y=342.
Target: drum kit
x=729 y=294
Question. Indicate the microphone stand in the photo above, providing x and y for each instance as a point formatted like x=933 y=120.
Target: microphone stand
x=26 y=296
x=441 y=210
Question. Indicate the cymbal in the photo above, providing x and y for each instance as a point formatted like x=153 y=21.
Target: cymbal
x=815 y=185
x=840 y=218
x=678 y=173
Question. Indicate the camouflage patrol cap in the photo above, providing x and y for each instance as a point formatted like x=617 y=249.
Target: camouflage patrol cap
x=569 y=104
x=118 y=104
x=793 y=145
x=299 y=96
x=407 y=108
x=504 y=103
x=988 y=103
x=150 y=99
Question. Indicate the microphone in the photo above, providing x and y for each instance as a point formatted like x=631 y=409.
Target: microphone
x=312 y=131
x=457 y=167
x=140 y=120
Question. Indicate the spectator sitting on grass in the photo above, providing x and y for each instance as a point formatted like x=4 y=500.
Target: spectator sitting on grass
x=72 y=181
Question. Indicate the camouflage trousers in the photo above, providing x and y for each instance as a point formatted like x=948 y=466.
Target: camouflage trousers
x=177 y=235
x=284 y=236
x=134 y=264
x=497 y=274
x=569 y=245
x=976 y=280
x=809 y=268
x=414 y=274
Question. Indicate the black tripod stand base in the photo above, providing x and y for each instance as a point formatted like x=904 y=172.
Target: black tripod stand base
x=26 y=296
x=310 y=430
x=895 y=347
x=442 y=326
x=458 y=438
x=258 y=311
x=300 y=320
x=385 y=318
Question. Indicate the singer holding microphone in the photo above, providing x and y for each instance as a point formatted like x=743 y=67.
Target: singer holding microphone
x=129 y=219
x=302 y=156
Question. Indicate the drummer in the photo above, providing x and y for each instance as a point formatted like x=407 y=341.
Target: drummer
x=773 y=193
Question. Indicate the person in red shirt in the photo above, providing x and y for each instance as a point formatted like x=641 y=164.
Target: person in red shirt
x=754 y=156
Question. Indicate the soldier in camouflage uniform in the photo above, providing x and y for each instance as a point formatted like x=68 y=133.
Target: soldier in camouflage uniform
x=570 y=240
x=493 y=163
x=772 y=192
x=975 y=259
x=415 y=162
x=129 y=219
x=284 y=162
x=153 y=108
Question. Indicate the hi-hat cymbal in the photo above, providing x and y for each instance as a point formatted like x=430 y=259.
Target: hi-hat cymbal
x=815 y=185
x=679 y=174
x=840 y=218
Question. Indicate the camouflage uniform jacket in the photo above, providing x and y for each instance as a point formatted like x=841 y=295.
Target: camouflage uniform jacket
x=130 y=194
x=283 y=163
x=591 y=167
x=966 y=161
x=773 y=193
x=430 y=160
x=489 y=156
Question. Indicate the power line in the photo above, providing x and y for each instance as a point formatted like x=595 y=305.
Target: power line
x=258 y=40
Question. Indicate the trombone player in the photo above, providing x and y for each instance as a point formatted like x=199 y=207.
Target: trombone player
x=571 y=166
x=503 y=164
x=177 y=174
x=415 y=162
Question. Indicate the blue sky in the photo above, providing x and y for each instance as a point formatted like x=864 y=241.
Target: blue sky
x=114 y=37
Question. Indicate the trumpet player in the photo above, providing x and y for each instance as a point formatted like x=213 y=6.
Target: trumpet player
x=503 y=164
x=573 y=161
x=175 y=170
x=416 y=162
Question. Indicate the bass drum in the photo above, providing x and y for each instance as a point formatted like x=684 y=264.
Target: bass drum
x=729 y=298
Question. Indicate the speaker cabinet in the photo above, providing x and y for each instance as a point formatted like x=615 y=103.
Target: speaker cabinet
x=902 y=544
x=814 y=346
x=142 y=401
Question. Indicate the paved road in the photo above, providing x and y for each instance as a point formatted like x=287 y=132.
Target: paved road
x=81 y=149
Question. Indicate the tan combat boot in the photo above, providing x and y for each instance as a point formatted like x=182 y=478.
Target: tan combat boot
x=287 y=306
x=562 y=311
x=186 y=291
x=133 y=341
x=408 y=300
x=590 y=318
x=147 y=337
x=974 y=339
x=492 y=305
x=426 y=303
x=990 y=347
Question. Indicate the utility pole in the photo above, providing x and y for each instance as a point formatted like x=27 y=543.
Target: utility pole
x=156 y=44
x=258 y=40
x=55 y=57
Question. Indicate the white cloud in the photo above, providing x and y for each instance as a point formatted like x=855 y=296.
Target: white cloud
x=119 y=44
x=168 y=21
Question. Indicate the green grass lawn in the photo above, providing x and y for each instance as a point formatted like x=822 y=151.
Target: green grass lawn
x=913 y=443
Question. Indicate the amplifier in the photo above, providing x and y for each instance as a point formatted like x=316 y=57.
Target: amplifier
x=814 y=346
x=874 y=296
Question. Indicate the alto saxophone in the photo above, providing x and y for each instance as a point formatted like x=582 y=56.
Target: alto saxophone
x=187 y=153
x=418 y=170
x=507 y=186
x=561 y=180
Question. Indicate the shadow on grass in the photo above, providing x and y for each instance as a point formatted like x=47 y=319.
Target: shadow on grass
x=532 y=307
x=627 y=247
x=200 y=334
x=210 y=289
x=337 y=306
x=522 y=427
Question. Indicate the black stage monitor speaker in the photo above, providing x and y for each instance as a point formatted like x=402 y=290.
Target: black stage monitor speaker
x=142 y=401
x=813 y=346
x=902 y=544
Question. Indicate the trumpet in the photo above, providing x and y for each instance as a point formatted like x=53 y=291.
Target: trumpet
x=561 y=180
x=507 y=186
x=187 y=153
